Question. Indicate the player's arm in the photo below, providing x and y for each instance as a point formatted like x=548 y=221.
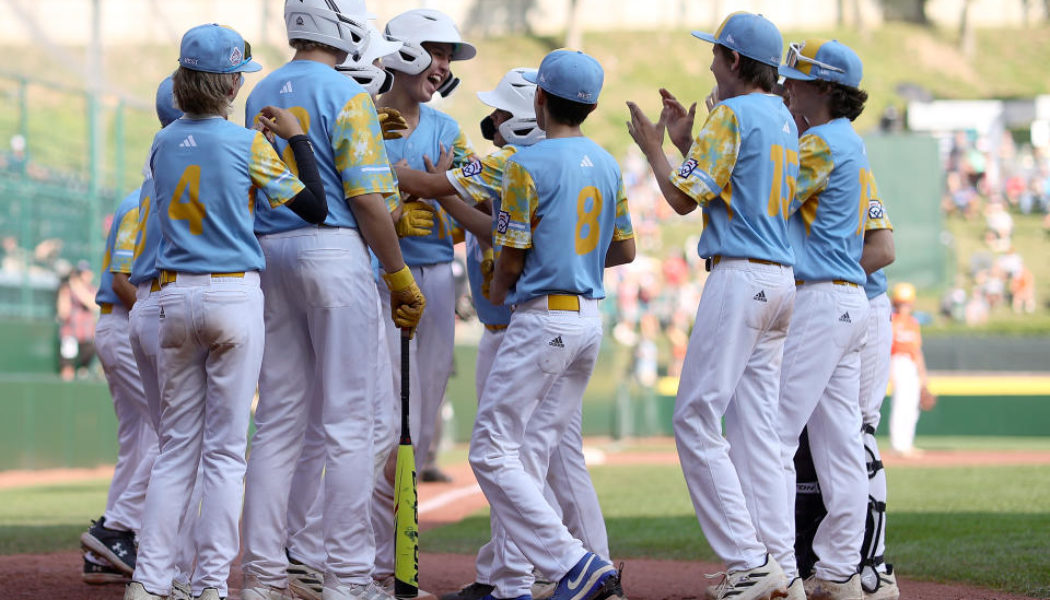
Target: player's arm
x=814 y=170
x=309 y=203
x=622 y=249
x=879 y=250
x=123 y=255
x=508 y=268
x=679 y=121
x=620 y=253
x=513 y=229
x=124 y=290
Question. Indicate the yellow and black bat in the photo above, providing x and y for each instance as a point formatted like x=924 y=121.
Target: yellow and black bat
x=406 y=517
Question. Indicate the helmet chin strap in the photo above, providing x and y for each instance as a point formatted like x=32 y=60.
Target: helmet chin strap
x=448 y=85
x=488 y=128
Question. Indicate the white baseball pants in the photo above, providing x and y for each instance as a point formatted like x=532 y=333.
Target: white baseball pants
x=145 y=342
x=904 y=412
x=320 y=302
x=732 y=368
x=874 y=376
x=520 y=423
x=820 y=389
x=136 y=437
x=430 y=365
x=211 y=348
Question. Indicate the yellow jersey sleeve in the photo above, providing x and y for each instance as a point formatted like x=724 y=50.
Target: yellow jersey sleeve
x=623 y=229
x=815 y=166
x=878 y=218
x=124 y=244
x=462 y=150
x=709 y=165
x=270 y=174
x=482 y=178
x=360 y=155
x=514 y=221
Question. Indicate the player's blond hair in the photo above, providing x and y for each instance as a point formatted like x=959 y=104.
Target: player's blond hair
x=203 y=93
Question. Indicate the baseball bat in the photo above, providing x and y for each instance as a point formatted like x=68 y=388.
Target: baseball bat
x=406 y=516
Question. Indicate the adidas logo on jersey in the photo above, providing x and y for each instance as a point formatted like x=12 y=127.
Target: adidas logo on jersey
x=286 y=88
x=189 y=142
x=556 y=342
x=845 y=318
x=760 y=296
x=586 y=162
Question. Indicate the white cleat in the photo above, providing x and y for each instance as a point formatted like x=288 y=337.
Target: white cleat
x=825 y=589
x=352 y=591
x=209 y=594
x=796 y=590
x=180 y=591
x=543 y=588
x=887 y=588
x=761 y=583
x=254 y=589
x=135 y=591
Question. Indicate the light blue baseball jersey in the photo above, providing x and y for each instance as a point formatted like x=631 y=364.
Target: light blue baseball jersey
x=147 y=236
x=206 y=176
x=742 y=169
x=478 y=181
x=830 y=210
x=120 y=247
x=434 y=128
x=340 y=119
x=564 y=201
x=875 y=284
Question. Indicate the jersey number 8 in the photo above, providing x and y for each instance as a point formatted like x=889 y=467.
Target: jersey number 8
x=587 y=227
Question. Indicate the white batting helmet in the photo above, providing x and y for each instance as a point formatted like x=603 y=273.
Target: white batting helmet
x=336 y=23
x=413 y=28
x=514 y=94
x=375 y=80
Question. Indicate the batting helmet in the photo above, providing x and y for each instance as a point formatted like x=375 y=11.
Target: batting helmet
x=514 y=94
x=362 y=69
x=415 y=27
x=336 y=23
x=903 y=292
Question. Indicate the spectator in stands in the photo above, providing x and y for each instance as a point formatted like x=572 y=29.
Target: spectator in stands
x=907 y=371
x=75 y=309
x=999 y=225
x=1022 y=291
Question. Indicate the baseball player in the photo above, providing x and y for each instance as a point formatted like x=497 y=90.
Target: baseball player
x=510 y=126
x=144 y=323
x=318 y=338
x=430 y=42
x=820 y=378
x=741 y=169
x=563 y=218
x=207 y=174
x=907 y=371
x=110 y=542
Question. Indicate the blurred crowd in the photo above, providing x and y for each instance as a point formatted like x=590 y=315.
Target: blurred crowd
x=994 y=181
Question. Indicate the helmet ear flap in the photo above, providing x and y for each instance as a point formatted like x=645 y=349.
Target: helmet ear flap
x=448 y=85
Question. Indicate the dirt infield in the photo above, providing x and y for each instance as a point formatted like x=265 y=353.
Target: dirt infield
x=57 y=576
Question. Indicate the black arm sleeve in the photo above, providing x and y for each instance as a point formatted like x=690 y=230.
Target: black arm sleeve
x=310 y=204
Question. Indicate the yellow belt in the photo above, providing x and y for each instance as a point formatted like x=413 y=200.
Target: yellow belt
x=563 y=302
x=835 y=281
x=714 y=260
x=106 y=308
x=495 y=327
x=167 y=277
x=154 y=286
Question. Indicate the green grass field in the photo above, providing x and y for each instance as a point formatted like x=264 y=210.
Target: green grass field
x=984 y=526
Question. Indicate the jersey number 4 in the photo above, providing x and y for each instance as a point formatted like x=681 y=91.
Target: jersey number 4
x=191 y=209
x=784 y=182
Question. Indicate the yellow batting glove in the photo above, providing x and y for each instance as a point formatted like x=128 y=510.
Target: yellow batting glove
x=417 y=219
x=488 y=266
x=406 y=301
x=391 y=122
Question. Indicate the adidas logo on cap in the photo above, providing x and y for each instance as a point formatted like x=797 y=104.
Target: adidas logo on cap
x=761 y=296
x=556 y=342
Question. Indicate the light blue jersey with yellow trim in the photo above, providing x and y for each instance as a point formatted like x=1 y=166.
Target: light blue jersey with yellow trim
x=434 y=128
x=207 y=174
x=835 y=186
x=878 y=218
x=742 y=169
x=478 y=181
x=120 y=247
x=147 y=236
x=564 y=201
x=338 y=116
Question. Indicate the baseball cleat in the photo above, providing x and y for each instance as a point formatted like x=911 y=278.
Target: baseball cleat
x=887 y=586
x=135 y=591
x=761 y=583
x=180 y=591
x=118 y=547
x=304 y=581
x=591 y=579
x=826 y=589
x=253 y=589
x=472 y=591
x=796 y=590
x=99 y=574
x=209 y=594
x=352 y=591
x=543 y=588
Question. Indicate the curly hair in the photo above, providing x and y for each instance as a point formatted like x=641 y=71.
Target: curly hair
x=843 y=100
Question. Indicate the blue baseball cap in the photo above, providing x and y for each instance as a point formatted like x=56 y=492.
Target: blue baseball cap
x=752 y=35
x=166 y=109
x=216 y=49
x=829 y=60
x=569 y=74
